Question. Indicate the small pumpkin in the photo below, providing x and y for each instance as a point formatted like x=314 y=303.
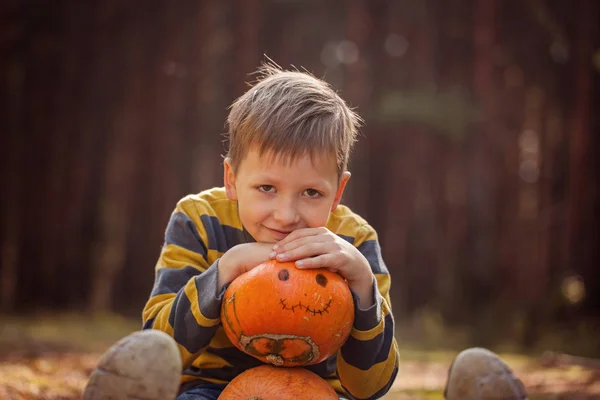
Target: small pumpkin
x=287 y=316
x=272 y=383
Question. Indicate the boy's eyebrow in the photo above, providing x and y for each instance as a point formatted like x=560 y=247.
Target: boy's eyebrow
x=269 y=178
x=264 y=177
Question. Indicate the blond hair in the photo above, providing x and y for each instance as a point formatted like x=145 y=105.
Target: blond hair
x=290 y=114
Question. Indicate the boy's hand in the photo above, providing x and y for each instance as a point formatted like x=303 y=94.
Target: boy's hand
x=320 y=248
x=240 y=259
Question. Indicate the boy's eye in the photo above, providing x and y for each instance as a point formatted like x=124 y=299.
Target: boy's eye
x=312 y=193
x=266 y=188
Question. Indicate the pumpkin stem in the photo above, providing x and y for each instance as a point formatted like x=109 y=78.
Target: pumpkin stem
x=274 y=359
x=255 y=398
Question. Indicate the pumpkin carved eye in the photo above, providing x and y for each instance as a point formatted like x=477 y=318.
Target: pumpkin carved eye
x=321 y=280
x=283 y=275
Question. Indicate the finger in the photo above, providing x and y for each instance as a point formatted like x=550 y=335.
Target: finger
x=254 y=255
x=298 y=234
x=323 y=261
x=302 y=241
x=310 y=249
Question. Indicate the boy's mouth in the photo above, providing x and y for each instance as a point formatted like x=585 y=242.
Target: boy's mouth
x=278 y=233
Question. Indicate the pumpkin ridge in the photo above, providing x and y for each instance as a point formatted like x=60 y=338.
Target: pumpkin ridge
x=231 y=300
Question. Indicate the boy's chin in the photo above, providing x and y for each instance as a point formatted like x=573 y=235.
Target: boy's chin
x=266 y=239
x=262 y=236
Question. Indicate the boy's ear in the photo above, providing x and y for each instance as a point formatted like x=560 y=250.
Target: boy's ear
x=229 y=179
x=340 y=191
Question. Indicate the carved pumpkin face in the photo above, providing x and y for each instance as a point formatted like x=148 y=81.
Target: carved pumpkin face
x=271 y=383
x=286 y=316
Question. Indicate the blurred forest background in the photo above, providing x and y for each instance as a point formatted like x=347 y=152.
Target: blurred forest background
x=478 y=164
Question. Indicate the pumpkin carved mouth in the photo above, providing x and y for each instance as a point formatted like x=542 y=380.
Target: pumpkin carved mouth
x=278 y=349
x=306 y=308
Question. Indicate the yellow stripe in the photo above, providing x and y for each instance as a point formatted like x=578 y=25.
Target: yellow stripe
x=383 y=284
x=385 y=308
x=162 y=321
x=186 y=357
x=227 y=212
x=209 y=360
x=336 y=385
x=173 y=256
x=344 y=222
x=220 y=340
x=189 y=378
x=155 y=304
x=192 y=294
x=214 y=255
x=214 y=203
x=363 y=384
x=370 y=334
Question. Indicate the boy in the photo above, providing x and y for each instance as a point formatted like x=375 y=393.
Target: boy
x=290 y=137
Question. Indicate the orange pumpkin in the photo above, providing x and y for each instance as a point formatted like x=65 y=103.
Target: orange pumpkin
x=287 y=316
x=272 y=383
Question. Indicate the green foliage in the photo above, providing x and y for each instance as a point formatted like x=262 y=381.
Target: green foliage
x=427 y=331
x=449 y=112
x=63 y=332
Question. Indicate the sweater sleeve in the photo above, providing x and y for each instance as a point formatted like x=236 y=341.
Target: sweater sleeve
x=368 y=362
x=184 y=302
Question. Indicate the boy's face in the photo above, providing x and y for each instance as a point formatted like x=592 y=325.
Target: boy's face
x=275 y=198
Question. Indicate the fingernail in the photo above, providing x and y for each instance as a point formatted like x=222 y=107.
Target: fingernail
x=281 y=257
x=272 y=254
x=299 y=263
x=275 y=247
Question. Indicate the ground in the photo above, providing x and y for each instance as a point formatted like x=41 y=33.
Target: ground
x=49 y=357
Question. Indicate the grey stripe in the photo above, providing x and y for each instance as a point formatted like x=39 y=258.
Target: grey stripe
x=221 y=237
x=149 y=324
x=186 y=330
x=182 y=232
x=325 y=369
x=171 y=280
x=370 y=317
x=206 y=287
x=349 y=239
x=224 y=373
x=235 y=357
x=364 y=354
x=372 y=252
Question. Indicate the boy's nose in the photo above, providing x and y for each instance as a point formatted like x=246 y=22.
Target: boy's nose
x=285 y=214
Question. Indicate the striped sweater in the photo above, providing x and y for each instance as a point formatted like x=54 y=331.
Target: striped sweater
x=185 y=303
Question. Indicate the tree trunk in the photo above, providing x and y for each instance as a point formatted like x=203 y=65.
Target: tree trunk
x=12 y=152
x=125 y=133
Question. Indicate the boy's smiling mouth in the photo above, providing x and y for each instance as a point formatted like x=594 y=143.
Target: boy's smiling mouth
x=279 y=234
